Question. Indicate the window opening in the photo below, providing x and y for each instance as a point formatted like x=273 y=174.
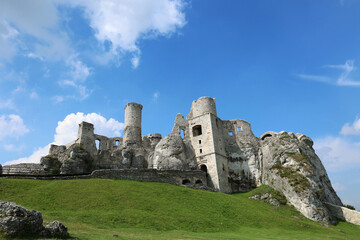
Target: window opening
x=199 y=182
x=200 y=150
x=240 y=128
x=97 y=143
x=186 y=182
x=182 y=133
x=117 y=142
x=230 y=133
x=203 y=168
x=199 y=141
x=197 y=131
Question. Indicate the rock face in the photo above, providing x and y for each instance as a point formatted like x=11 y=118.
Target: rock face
x=174 y=154
x=17 y=221
x=290 y=165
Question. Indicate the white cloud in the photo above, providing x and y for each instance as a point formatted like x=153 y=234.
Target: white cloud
x=67 y=130
x=8 y=47
x=77 y=76
x=351 y=129
x=58 y=99
x=338 y=154
x=135 y=61
x=9 y=147
x=38 y=19
x=33 y=95
x=314 y=78
x=343 y=79
x=12 y=126
x=33 y=158
x=155 y=96
x=124 y=23
x=8 y=104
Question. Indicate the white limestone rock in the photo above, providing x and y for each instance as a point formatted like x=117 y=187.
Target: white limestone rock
x=171 y=153
x=290 y=165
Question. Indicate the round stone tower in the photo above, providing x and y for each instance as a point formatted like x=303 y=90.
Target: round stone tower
x=203 y=105
x=132 y=125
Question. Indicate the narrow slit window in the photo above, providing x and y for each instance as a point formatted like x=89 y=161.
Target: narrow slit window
x=199 y=141
x=200 y=150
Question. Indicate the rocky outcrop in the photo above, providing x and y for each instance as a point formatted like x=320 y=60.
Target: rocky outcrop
x=173 y=153
x=17 y=221
x=290 y=165
x=51 y=164
x=76 y=160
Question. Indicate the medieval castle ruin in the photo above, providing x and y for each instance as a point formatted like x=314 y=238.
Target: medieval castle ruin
x=202 y=151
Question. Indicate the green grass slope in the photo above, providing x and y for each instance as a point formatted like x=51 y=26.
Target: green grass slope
x=117 y=209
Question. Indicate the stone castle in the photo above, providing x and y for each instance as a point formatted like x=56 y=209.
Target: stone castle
x=201 y=151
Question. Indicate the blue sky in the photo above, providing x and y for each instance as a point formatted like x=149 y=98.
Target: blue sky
x=281 y=65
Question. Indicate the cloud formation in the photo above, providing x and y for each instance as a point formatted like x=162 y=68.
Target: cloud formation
x=124 y=23
x=12 y=126
x=66 y=131
x=351 y=129
x=338 y=154
x=344 y=79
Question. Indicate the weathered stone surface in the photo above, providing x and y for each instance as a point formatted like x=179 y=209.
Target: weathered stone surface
x=51 y=164
x=17 y=221
x=24 y=168
x=290 y=165
x=170 y=153
x=55 y=229
x=76 y=160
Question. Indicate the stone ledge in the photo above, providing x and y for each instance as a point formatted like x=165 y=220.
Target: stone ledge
x=344 y=213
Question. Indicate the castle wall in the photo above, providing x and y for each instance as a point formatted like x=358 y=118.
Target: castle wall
x=132 y=123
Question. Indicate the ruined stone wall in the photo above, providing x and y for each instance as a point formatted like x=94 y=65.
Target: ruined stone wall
x=24 y=168
x=195 y=179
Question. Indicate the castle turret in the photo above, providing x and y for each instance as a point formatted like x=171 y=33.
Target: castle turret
x=207 y=140
x=203 y=105
x=132 y=125
x=86 y=137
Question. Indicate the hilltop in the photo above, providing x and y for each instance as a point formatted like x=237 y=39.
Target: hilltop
x=102 y=209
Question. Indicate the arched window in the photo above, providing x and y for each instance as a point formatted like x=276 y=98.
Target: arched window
x=197 y=131
x=186 y=182
x=203 y=168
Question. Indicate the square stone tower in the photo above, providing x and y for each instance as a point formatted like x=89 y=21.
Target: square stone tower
x=206 y=136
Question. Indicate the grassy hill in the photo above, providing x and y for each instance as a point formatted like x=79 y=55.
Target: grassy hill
x=117 y=209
